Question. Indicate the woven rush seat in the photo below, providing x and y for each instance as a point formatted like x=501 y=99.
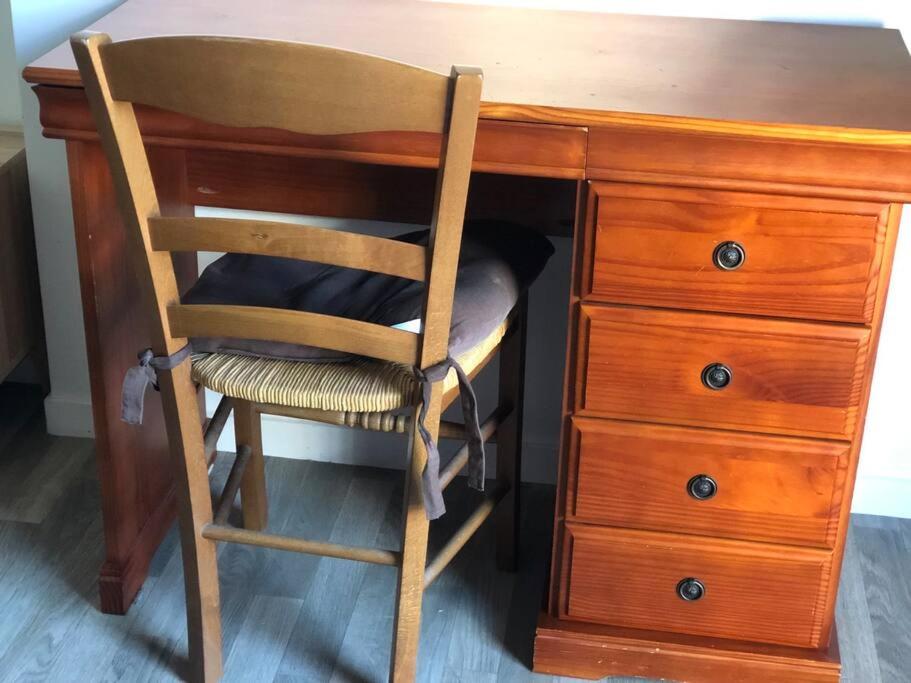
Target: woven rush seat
x=361 y=385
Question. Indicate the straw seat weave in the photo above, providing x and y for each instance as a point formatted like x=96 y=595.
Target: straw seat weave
x=359 y=385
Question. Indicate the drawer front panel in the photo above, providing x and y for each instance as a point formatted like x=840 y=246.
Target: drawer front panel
x=750 y=591
x=796 y=258
x=724 y=484
x=783 y=377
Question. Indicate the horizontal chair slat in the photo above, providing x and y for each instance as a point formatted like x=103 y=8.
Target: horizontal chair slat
x=294 y=327
x=302 y=88
x=229 y=534
x=305 y=242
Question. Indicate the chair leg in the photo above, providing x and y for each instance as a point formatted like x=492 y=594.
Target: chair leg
x=194 y=511
x=253 y=498
x=410 y=590
x=509 y=440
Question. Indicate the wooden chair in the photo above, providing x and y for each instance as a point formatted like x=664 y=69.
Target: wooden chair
x=319 y=91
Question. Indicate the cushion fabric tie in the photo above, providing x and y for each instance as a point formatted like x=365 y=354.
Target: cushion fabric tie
x=433 y=491
x=140 y=376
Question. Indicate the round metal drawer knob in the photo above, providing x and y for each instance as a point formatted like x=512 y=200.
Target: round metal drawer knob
x=690 y=589
x=702 y=487
x=729 y=256
x=716 y=376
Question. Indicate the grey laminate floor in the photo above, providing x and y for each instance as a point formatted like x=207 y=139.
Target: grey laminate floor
x=293 y=618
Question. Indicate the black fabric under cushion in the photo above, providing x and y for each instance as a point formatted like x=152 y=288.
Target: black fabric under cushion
x=497 y=263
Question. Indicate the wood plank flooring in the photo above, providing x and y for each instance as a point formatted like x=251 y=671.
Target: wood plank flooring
x=294 y=618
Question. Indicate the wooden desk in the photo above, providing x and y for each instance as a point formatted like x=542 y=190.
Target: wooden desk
x=658 y=139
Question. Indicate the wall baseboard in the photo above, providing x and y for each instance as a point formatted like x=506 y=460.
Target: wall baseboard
x=69 y=416
x=886 y=496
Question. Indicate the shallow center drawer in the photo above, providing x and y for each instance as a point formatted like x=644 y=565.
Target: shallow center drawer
x=747 y=591
x=721 y=371
x=696 y=481
x=736 y=252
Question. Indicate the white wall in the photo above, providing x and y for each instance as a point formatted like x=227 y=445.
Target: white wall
x=884 y=485
x=10 y=102
x=38 y=26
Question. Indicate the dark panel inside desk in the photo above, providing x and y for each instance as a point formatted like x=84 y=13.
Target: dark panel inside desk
x=342 y=189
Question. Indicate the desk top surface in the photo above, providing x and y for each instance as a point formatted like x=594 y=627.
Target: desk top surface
x=577 y=67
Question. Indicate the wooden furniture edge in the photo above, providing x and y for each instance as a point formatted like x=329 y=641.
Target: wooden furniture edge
x=581 y=245
x=505 y=147
x=549 y=148
x=592 y=651
x=119 y=586
x=892 y=220
x=728 y=161
x=502 y=111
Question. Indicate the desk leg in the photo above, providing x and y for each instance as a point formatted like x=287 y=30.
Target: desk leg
x=133 y=462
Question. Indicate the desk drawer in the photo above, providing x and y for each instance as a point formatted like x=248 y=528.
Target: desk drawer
x=789 y=257
x=785 y=377
x=750 y=591
x=695 y=481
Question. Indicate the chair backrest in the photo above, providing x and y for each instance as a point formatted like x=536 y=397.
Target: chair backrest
x=305 y=89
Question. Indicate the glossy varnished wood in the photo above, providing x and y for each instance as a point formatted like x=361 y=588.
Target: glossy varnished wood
x=756 y=592
x=501 y=146
x=815 y=259
x=138 y=495
x=729 y=161
x=593 y=651
x=567 y=645
x=788 y=377
x=602 y=68
x=775 y=489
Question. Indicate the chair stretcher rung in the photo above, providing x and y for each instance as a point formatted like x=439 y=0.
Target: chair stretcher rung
x=232 y=485
x=221 y=532
x=217 y=423
x=460 y=459
x=463 y=534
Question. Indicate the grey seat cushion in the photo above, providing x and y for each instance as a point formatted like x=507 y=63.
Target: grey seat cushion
x=498 y=262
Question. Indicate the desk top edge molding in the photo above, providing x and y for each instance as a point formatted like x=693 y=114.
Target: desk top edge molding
x=679 y=153
x=565 y=116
